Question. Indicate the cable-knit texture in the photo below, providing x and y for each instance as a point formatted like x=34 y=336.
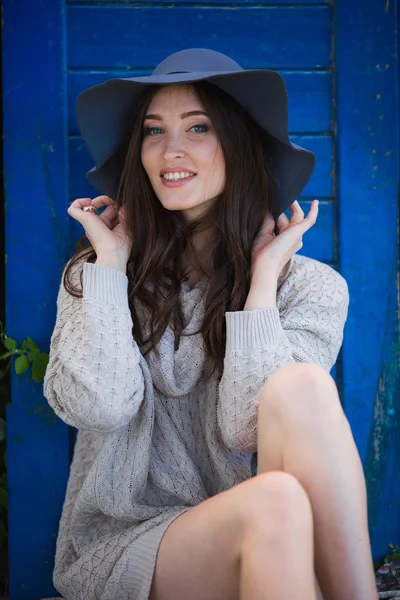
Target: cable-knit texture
x=160 y=434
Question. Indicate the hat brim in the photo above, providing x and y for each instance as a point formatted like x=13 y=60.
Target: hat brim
x=103 y=112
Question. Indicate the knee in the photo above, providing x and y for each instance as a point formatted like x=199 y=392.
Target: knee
x=301 y=389
x=308 y=376
x=278 y=499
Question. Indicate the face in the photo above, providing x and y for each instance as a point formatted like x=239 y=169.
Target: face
x=181 y=152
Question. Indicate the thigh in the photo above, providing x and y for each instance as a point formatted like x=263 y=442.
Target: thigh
x=199 y=554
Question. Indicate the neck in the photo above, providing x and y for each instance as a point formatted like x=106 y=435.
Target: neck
x=193 y=253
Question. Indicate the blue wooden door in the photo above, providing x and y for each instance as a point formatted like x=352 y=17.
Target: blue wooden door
x=340 y=66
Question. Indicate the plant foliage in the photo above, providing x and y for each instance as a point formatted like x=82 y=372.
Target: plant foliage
x=27 y=357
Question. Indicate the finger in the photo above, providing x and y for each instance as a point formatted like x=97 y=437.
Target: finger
x=311 y=218
x=110 y=212
x=297 y=212
x=109 y=216
x=282 y=223
x=100 y=201
x=80 y=203
x=313 y=212
x=79 y=207
x=76 y=207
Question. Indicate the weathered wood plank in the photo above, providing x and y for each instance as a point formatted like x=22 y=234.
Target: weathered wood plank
x=239 y=3
x=37 y=241
x=368 y=130
x=143 y=36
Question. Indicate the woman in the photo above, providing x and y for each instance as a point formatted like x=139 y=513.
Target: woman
x=190 y=335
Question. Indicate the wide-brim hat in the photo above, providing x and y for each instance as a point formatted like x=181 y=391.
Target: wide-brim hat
x=104 y=112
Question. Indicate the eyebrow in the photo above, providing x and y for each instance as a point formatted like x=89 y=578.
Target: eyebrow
x=192 y=113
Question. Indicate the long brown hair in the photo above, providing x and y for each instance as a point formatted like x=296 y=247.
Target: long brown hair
x=160 y=237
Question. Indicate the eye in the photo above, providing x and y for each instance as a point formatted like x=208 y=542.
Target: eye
x=201 y=126
x=152 y=130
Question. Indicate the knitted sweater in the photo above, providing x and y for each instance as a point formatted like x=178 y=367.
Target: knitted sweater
x=159 y=434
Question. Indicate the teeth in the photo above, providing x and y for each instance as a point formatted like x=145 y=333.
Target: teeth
x=176 y=176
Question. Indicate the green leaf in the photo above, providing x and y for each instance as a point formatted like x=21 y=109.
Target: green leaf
x=39 y=366
x=9 y=343
x=3 y=498
x=32 y=354
x=2 y=429
x=29 y=344
x=21 y=364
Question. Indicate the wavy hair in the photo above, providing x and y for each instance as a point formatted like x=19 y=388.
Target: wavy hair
x=160 y=237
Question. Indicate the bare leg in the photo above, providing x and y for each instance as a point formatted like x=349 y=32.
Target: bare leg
x=302 y=430
x=252 y=542
x=277 y=558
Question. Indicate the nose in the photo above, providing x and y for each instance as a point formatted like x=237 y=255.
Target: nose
x=173 y=148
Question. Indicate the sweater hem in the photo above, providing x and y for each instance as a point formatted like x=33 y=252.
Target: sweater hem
x=138 y=576
x=104 y=284
x=252 y=328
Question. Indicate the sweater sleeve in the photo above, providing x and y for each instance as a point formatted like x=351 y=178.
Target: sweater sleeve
x=306 y=326
x=94 y=380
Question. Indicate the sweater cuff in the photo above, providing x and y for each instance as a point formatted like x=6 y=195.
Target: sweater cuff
x=104 y=284
x=252 y=328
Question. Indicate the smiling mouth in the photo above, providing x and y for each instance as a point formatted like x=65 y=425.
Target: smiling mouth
x=177 y=176
x=178 y=182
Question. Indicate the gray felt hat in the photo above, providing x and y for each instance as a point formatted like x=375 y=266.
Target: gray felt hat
x=104 y=111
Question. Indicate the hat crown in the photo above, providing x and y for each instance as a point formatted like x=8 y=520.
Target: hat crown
x=196 y=60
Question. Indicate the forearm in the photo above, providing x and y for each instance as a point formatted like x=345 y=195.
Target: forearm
x=94 y=378
x=262 y=293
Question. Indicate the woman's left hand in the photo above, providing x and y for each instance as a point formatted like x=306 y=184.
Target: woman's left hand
x=272 y=252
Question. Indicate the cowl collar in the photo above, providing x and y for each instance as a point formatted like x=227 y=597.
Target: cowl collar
x=176 y=372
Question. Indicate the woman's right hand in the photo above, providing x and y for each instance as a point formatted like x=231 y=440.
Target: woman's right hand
x=106 y=232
